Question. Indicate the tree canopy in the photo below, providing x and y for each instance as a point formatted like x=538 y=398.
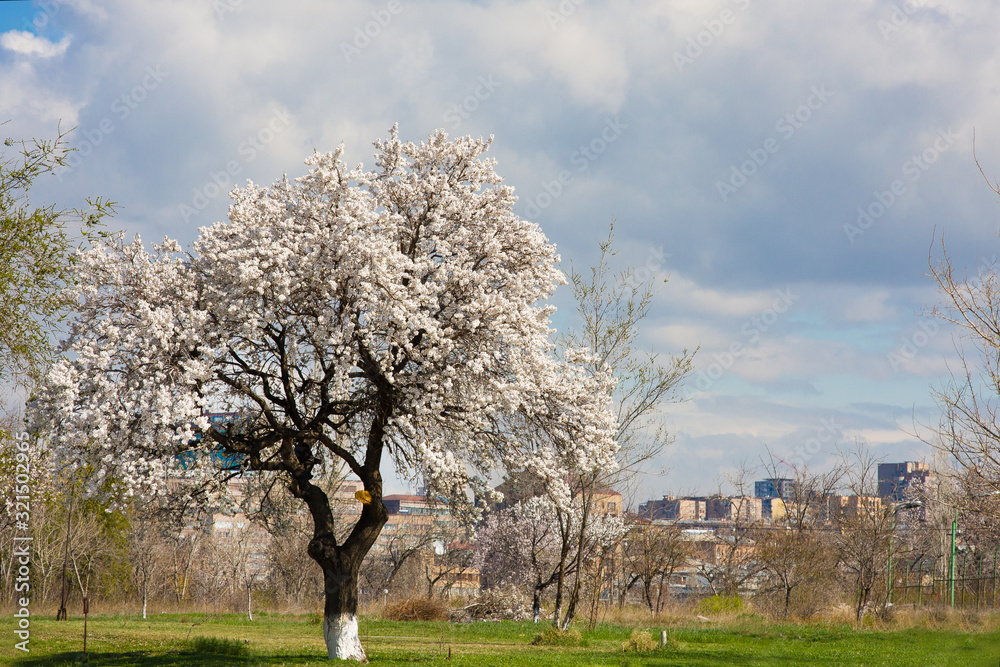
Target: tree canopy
x=348 y=314
x=37 y=246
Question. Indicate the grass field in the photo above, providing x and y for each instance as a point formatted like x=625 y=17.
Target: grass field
x=201 y=640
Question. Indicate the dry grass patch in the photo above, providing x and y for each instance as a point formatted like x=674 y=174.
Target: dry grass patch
x=551 y=636
x=417 y=610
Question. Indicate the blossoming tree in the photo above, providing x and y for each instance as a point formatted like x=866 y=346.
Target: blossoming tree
x=529 y=544
x=371 y=316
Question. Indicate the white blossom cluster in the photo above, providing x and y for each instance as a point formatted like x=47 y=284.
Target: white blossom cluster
x=345 y=314
x=522 y=544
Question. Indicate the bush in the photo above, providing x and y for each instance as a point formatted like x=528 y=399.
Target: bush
x=417 y=610
x=500 y=604
x=555 y=637
x=719 y=604
x=640 y=642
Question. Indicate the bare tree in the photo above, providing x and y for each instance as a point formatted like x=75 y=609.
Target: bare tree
x=866 y=527
x=292 y=571
x=182 y=549
x=969 y=430
x=448 y=563
x=795 y=563
x=727 y=559
x=612 y=308
x=653 y=553
x=795 y=554
x=144 y=547
x=389 y=566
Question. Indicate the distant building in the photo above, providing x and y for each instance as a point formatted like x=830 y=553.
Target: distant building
x=838 y=506
x=702 y=508
x=772 y=509
x=894 y=479
x=734 y=508
x=671 y=508
x=663 y=509
x=415 y=505
x=692 y=509
x=522 y=486
x=426 y=524
x=776 y=487
x=606 y=501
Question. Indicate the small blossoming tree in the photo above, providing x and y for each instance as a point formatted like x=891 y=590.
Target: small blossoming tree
x=371 y=316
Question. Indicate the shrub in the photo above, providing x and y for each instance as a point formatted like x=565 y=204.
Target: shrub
x=555 y=637
x=640 y=642
x=417 y=610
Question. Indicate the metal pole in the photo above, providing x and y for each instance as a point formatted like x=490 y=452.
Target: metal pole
x=86 y=611
x=951 y=566
x=979 y=579
x=889 y=582
x=920 y=582
x=995 y=575
x=965 y=576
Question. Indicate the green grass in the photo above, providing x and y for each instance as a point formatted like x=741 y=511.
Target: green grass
x=201 y=640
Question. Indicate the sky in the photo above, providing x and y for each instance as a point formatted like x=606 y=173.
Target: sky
x=789 y=168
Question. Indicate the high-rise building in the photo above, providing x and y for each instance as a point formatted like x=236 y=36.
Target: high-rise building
x=894 y=479
x=776 y=487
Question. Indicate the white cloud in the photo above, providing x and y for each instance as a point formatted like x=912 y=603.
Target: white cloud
x=855 y=304
x=685 y=293
x=30 y=44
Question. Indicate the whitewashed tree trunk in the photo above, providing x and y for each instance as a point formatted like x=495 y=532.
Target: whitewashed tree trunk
x=342 y=639
x=342 y=562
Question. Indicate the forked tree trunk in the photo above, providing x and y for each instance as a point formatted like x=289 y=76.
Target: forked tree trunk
x=341 y=564
x=586 y=495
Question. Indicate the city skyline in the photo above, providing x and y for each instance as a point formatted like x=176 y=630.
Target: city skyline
x=788 y=168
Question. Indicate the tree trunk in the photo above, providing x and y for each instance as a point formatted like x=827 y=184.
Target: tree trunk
x=340 y=611
x=629 y=583
x=560 y=580
x=341 y=564
x=862 y=600
x=587 y=495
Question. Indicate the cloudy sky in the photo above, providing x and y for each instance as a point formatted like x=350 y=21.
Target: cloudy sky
x=786 y=165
